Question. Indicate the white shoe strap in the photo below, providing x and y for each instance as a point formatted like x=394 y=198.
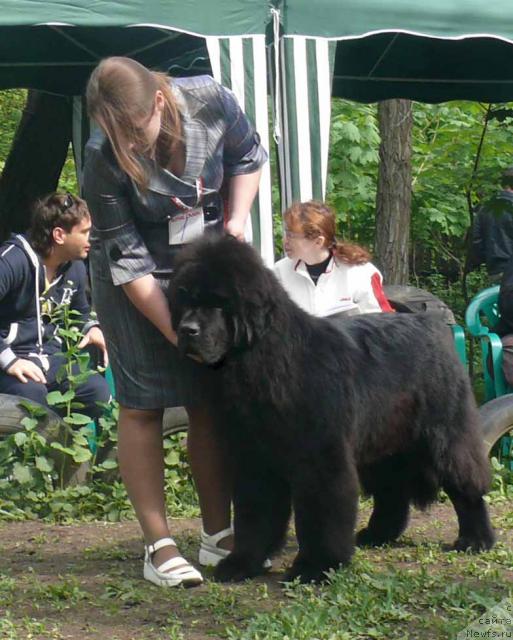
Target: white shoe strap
x=160 y=544
x=178 y=561
x=215 y=538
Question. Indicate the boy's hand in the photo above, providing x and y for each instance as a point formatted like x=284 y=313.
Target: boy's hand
x=26 y=370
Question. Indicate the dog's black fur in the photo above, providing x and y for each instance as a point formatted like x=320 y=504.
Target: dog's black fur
x=309 y=410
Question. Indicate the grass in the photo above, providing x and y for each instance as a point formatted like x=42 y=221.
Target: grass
x=423 y=601
x=84 y=582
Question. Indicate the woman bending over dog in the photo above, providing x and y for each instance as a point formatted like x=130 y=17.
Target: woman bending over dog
x=152 y=176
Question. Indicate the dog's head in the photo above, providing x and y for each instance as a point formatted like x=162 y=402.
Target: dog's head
x=221 y=298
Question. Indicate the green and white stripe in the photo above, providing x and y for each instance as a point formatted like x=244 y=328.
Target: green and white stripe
x=306 y=72
x=240 y=64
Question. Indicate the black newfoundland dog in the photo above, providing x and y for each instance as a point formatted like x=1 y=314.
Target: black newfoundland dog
x=310 y=411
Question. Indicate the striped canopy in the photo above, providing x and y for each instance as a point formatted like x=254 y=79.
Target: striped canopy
x=299 y=51
x=54 y=45
x=370 y=50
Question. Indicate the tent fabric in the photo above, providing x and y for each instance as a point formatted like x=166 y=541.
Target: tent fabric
x=239 y=63
x=433 y=51
x=60 y=59
x=373 y=49
x=54 y=45
x=385 y=48
x=436 y=18
x=305 y=117
x=436 y=51
x=222 y=17
x=401 y=65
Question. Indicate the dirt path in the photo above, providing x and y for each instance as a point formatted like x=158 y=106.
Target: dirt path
x=84 y=581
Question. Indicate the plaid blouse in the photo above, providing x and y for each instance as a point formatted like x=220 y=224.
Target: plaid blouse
x=130 y=236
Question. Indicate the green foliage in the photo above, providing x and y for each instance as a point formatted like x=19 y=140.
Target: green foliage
x=12 y=103
x=34 y=469
x=365 y=601
x=11 y=108
x=28 y=490
x=502 y=487
x=445 y=139
x=351 y=187
x=68 y=179
x=445 y=142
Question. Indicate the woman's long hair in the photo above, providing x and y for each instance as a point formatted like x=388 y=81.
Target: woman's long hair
x=313 y=219
x=120 y=93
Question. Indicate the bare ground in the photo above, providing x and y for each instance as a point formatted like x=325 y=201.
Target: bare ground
x=84 y=580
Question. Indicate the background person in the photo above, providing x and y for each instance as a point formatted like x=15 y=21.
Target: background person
x=152 y=178
x=323 y=275
x=492 y=231
x=37 y=273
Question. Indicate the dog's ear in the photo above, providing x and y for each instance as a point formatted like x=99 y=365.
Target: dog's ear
x=242 y=332
x=251 y=322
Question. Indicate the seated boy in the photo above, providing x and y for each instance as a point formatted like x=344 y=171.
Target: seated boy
x=38 y=272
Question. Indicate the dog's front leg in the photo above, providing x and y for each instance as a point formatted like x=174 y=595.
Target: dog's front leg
x=261 y=515
x=325 y=505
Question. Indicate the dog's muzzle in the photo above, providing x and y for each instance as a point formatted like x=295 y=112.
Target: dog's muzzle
x=188 y=335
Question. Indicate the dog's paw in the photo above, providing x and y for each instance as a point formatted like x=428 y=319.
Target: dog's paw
x=474 y=544
x=371 y=538
x=306 y=575
x=367 y=538
x=235 y=568
x=307 y=572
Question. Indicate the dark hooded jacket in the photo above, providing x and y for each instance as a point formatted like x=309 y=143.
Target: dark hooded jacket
x=492 y=236
x=27 y=329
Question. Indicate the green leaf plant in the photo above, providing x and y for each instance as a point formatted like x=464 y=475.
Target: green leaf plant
x=62 y=470
x=39 y=461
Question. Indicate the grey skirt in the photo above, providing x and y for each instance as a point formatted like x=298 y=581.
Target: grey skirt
x=148 y=371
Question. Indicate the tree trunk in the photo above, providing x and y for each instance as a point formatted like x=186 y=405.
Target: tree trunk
x=36 y=157
x=393 y=198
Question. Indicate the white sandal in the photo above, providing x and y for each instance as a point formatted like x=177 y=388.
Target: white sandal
x=181 y=571
x=210 y=555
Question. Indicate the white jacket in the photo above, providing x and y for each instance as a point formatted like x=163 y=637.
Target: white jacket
x=341 y=287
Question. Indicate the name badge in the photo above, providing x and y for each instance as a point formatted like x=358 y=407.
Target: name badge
x=186 y=226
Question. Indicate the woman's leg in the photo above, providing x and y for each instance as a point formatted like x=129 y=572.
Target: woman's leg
x=211 y=472
x=141 y=463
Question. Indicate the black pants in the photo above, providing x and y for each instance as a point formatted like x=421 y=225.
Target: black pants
x=94 y=389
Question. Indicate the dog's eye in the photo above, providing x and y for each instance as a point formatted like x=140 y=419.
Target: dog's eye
x=219 y=301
